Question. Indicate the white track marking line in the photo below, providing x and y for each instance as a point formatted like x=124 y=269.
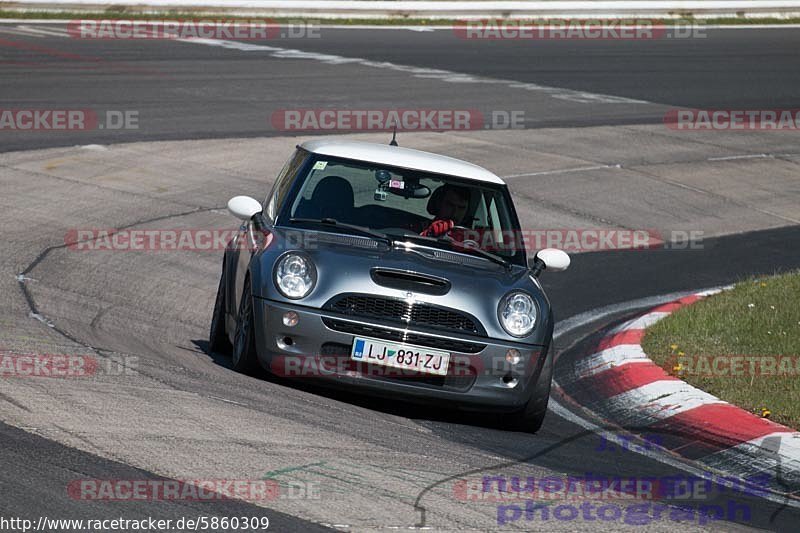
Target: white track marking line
x=98 y=147
x=588 y=317
x=641 y=322
x=561 y=171
x=54 y=32
x=227 y=401
x=557 y=408
x=711 y=292
x=15 y=31
x=447 y=76
x=620 y=165
x=735 y=157
x=59 y=30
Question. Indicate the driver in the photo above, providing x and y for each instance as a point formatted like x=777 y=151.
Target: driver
x=449 y=206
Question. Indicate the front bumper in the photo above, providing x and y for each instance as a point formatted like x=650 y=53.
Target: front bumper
x=318 y=348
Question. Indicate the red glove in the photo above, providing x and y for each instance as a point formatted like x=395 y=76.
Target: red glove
x=438 y=228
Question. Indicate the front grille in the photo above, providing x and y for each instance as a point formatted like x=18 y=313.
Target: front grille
x=404 y=313
x=378 y=332
x=457 y=381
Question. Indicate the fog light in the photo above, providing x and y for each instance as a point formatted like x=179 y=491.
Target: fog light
x=512 y=356
x=510 y=381
x=290 y=318
x=284 y=343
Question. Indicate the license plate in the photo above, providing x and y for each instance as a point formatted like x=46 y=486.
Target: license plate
x=405 y=356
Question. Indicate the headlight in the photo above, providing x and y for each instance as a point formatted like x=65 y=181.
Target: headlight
x=295 y=276
x=517 y=313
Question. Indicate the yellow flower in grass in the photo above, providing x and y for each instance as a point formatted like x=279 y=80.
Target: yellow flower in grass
x=674 y=347
x=765 y=413
x=677 y=369
x=763 y=284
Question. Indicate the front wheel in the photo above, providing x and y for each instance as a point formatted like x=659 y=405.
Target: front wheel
x=244 y=358
x=217 y=336
x=531 y=418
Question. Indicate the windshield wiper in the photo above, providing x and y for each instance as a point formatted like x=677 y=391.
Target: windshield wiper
x=461 y=248
x=352 y=227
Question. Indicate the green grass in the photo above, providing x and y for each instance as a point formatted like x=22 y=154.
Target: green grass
x=758 y=317
x=135 y=13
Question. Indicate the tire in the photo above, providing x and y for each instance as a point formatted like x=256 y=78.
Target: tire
x=243 y=356
x=531 y=417
x=217 y=335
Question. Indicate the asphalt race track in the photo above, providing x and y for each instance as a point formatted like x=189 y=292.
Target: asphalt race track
x=205 y=134
x=188 y=91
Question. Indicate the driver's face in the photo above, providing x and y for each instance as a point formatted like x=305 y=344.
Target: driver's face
x=453 y=207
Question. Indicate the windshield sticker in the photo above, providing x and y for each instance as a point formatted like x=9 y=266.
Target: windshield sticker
x=320 y=165
x=397 y=184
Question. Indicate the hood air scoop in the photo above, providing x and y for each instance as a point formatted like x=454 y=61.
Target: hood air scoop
x=410 y=281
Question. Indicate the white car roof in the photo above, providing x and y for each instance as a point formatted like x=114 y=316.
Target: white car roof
x=385 y=154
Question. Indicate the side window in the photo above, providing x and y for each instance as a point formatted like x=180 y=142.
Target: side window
x=494 y=216
x=283 y=184
x=496 y=221
x=481 y=217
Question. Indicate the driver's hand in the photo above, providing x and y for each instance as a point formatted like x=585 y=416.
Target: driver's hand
x=438 y=228
x=457 y=234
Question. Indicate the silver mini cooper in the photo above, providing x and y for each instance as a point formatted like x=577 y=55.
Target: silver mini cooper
x=393 y=272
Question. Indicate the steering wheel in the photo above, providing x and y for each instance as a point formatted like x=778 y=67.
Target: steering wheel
x=395 y=231
x=467 y=243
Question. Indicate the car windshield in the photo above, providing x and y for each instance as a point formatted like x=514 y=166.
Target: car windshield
x=400 y=202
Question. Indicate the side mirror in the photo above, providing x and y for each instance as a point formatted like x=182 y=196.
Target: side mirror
x=550 y=259
x=243 y=207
